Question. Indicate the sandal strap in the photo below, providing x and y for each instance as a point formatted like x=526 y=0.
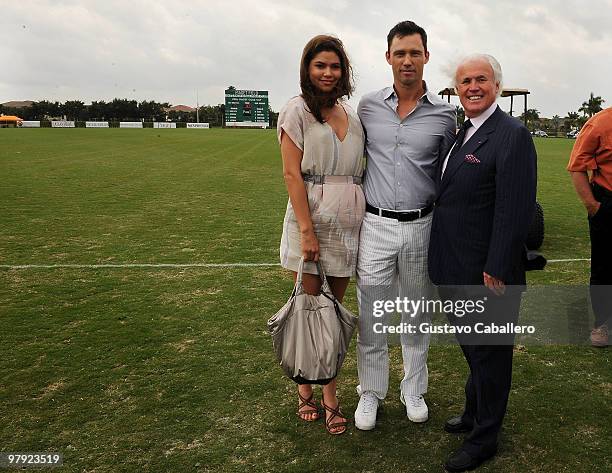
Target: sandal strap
x=334 y=413
x=307 y=402
x=336 y=424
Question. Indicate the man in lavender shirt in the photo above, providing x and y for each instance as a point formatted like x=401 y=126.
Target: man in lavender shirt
x=408 y=130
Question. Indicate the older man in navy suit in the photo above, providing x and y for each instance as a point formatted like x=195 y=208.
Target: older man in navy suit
x=485 y=204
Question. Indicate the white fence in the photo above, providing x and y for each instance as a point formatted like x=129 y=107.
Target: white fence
x=99 y=124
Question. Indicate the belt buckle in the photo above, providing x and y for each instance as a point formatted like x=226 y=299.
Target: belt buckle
x=405 y=216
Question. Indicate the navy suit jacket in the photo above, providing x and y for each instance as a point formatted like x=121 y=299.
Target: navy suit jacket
x=483 y=210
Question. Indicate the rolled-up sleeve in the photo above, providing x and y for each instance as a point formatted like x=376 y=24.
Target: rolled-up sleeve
x=582 y=158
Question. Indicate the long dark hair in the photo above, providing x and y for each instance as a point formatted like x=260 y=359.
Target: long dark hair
x=314 y=98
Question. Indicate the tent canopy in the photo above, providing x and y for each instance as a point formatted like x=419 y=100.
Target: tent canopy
x=10 y=118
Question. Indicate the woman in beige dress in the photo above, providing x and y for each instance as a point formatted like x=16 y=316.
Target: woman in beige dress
x=322 y=145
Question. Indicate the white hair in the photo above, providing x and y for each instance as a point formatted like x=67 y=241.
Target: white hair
x=497 y=70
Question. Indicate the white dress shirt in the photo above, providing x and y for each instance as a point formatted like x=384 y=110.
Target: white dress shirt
x=476 y=123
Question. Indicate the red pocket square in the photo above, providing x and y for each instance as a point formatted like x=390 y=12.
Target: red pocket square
x=470 y=158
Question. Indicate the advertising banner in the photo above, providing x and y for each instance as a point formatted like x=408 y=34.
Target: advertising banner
x=130 y=124
x=164 y=125
x=62 y=124
x=96 y=124
x=198 y=125
x=30 y=124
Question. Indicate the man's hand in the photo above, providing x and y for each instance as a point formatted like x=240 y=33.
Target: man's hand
x=583 y=189
x=593 y=208
x=496 y=285
x=310 y=246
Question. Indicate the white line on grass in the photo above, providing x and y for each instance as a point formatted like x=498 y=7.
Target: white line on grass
x=568 y=260
x=135 y=265
x=178 y=265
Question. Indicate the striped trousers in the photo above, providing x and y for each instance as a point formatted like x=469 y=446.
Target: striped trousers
x=392 y=262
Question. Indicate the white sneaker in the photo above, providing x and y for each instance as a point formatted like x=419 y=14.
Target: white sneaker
x=416 y=409
x=365 y=414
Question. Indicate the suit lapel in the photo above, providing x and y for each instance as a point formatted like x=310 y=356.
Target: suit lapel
x=476 y=141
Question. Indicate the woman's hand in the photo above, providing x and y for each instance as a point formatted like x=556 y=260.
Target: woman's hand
x=310 y=245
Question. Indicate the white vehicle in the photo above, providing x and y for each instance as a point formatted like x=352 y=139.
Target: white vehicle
x=540 y=133
x=573 y=134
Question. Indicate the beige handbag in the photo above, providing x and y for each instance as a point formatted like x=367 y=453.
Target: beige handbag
x=311 y=334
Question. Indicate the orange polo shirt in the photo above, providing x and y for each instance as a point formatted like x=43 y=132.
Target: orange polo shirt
x=593 y=149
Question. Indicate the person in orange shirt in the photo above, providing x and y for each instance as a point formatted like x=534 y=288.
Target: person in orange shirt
x=593 y=153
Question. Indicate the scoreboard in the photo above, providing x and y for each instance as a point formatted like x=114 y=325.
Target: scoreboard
x=246 y=108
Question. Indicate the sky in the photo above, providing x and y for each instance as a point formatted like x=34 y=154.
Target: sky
x=183 y=51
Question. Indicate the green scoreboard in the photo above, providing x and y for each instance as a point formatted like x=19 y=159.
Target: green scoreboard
x=246 y=108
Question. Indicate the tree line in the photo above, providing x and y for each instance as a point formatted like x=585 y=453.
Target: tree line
x=131 y=110
x=120 y=110
x=572 y=121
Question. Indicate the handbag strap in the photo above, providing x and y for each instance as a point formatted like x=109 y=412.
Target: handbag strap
x=298 y=281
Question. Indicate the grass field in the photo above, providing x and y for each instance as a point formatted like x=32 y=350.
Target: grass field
x=171 y=369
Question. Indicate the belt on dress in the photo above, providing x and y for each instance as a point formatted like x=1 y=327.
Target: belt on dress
x=328 y=179
x=401 y=216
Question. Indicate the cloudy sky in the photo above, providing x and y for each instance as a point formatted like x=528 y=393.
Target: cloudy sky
x=560 y=50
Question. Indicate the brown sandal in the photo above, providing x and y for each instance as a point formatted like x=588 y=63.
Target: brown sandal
x=331 y=426
x=310 y=403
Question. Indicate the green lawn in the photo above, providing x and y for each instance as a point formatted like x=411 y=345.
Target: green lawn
x=171 y=369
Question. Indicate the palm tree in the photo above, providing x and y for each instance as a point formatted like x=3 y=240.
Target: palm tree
x=531 y=116
x=556 y=121
x=571 y=119
x=592 y=106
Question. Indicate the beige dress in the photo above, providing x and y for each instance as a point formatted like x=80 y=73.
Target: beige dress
x=337 y=207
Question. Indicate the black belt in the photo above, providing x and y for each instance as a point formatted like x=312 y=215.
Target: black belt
x=405 y=216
